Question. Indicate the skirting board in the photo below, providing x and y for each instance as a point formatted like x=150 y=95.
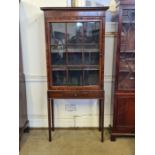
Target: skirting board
x=37 y=121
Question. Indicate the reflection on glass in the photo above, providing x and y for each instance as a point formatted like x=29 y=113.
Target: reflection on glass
x=128 y=16
x=75 y=37
x=126 y=80
x=82 y=35
x=58 y=45
x=74 y=58
x=127 y=70
x=91 y=32
x=58 y=33
x=74 y=47
x=59 y=78
x=91 y=77
x=128 y=31
x=91 y=58
x=127 y=65
x=75 y=31
x=127 y=61
x=128 y=38
x=58 y=59
x=75 y=77
x=60 y=48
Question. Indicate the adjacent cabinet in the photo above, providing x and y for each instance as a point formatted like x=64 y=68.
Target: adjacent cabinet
x=23 y=118
x=123 y=97
x=75 y=56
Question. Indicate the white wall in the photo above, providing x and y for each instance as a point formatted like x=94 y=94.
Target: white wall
x=68 y=113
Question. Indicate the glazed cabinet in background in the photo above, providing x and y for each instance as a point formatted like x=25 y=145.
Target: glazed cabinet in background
x=123 y=94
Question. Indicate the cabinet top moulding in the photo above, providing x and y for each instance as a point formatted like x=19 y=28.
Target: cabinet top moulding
x=125 y=1
x=75 y=8
x=74 y=11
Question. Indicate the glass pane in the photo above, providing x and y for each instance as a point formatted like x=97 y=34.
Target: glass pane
x=128 y=16
x=91 y=58
x=126 y=80
x=91 y=77
x=74 y=33
x=74 y=58
x=127 y=71
x=59 y=78
x=127 y=65
x=90 y=32
x=75 y=77
x=91 y=43
x=128 y=37
x=82 y=35
x=128 y=31
x=74 y=37
x=58 y=34
x=127 y=62
x=58 y=59
x=58 y=43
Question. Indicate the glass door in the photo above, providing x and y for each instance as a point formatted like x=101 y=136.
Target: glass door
x=74 y=53
x=126 y=77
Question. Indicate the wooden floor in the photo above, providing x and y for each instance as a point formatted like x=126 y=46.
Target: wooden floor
x=74 y=142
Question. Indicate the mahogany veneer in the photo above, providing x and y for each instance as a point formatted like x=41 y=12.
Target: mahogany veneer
x=75 y=56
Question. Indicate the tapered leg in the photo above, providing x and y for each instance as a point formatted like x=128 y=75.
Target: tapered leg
x=52 y=105
x=102 y=120
x=49 y=119
x=99 y=115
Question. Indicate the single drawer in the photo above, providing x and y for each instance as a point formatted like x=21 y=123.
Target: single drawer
x=76 y=94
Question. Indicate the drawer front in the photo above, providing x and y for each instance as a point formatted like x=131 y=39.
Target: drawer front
x=76 y=94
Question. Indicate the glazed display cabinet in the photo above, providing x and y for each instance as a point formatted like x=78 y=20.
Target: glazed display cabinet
x=75 y=56
x=123 y=97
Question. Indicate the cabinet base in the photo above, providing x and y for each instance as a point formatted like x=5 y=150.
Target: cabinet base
x=24 y=129
x=113 y=136
x=27 y=129
x=115 y=133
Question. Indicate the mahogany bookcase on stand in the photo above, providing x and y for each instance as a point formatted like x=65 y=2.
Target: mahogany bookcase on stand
x=75 y=56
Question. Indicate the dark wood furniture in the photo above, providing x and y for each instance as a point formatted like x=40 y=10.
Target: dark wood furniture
x=75 y=56
x=23 y=119
x=123 y=97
